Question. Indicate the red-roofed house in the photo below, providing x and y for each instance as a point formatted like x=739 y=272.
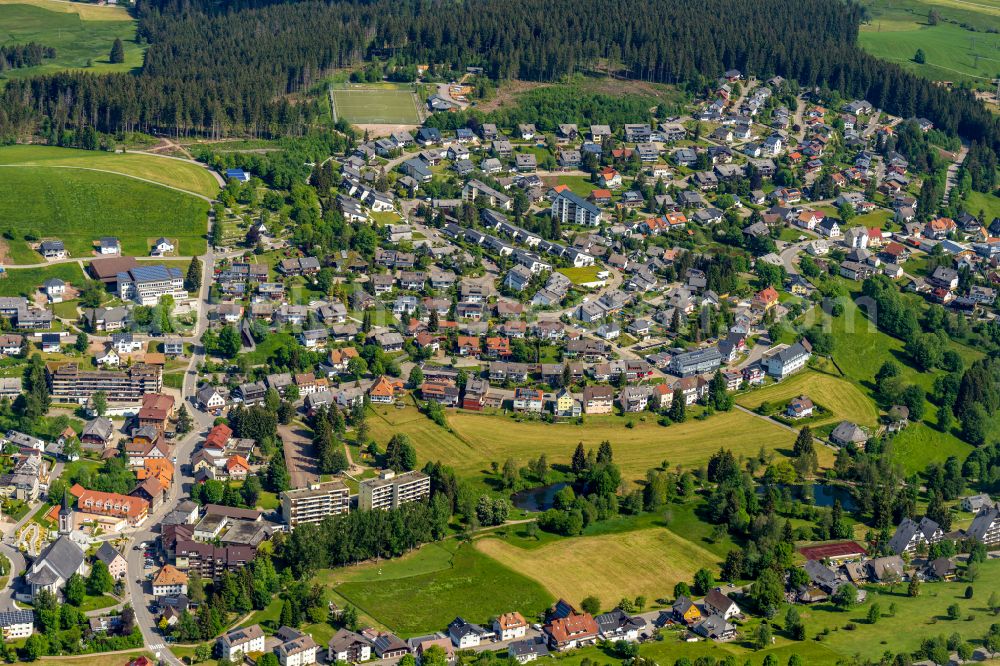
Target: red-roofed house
x=765 y=299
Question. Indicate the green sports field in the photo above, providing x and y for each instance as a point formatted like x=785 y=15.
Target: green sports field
x=79 y=32
x=371 y=106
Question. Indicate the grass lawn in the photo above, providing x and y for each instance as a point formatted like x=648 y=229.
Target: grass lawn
x=579 y=184
x=175 y=173
x=100 y=659
x=80 y=206
x=26 y=281
x=472 y=442
x=457 y=581
x=643 y=562
x=96 y=603
x=841 y=397
x=77 y=34
x=363 y=105
x=581 y=275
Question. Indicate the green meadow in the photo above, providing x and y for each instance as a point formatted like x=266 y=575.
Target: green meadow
x=79 y=34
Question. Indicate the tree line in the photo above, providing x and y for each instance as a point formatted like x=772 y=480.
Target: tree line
x=262 y=52
x=32 y=54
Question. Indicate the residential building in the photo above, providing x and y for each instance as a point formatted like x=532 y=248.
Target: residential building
x=348 y=647
x=786 y=361
x=69 y=383
x=296 y=648
x=570 y=208
x=313 y=504
x=233 y=645
x=696 y=362
x=910 y=535
x=572 y=631
x=389 y=490
x=16 y=624
x=169 y=582
x=985 y=527
x=509 y=626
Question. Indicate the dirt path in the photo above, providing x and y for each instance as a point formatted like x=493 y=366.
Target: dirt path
x=303 y=468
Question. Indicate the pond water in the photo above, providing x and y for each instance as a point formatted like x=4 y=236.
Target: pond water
x=823 y=495
x=537 y=499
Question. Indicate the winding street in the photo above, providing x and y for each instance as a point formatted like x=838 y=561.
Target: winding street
x=183 y=478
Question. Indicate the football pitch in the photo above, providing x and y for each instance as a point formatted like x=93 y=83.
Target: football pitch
x=366 y=106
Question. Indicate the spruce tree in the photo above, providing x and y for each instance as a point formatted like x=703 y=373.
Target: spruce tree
x=117 y=55
x=192 y=282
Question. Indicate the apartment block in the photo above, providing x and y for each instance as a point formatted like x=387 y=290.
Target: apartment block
x=313 y=504
x=389 y=490
x=69 y=383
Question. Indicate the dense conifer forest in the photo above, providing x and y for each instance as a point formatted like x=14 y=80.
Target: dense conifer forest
x=240 y=67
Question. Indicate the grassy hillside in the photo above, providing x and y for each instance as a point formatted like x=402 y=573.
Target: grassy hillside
x=953 y=53
x=80 y=206
x=79 y=32
x=26 y=281
x=174 y=173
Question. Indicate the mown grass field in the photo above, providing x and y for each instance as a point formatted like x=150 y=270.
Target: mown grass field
x=466 y=583
x=643 y=562
x=79 y=32
x=174 y=173
x=371 y=105
x=26 y=281
x=843 y=399
x=78 y=207
x=578 y=184
x=476 y=440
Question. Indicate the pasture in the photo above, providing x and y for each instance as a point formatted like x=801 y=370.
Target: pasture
x=424 y=592
x=953 y=53
x=843 y=399
x=363 y=105
x=643 y=562
x=79 y=32
x=173 y=173
x=80 y=206
x=475 y=440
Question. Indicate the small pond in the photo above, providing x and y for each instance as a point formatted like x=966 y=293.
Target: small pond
x=537 y=499
x=822 y=495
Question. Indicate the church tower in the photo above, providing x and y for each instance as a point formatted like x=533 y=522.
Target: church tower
x=65 y=516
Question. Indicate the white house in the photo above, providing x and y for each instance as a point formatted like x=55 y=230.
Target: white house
x=170 y=582
x=238 y=642
x=510 y=626
x=161 y=247
x=465 y=634
x=716 y=603
x=16 y=624
x=296 y=648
